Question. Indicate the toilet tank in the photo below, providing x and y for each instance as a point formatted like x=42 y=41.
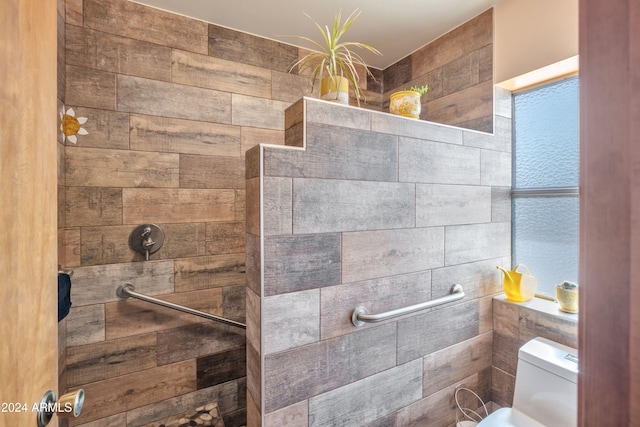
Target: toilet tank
x=546 y=383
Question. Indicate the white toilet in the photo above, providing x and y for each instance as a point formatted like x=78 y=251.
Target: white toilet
x=546 y=391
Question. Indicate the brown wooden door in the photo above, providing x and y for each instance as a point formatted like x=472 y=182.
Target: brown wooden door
x=28 y=266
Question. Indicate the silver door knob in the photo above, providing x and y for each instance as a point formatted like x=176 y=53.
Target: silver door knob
x=69 y=405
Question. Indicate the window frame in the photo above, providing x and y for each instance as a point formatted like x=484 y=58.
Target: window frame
x=546 y=192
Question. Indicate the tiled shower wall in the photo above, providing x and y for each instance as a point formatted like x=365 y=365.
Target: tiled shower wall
x=381 y=211
x=458 y=67
x=172 y=104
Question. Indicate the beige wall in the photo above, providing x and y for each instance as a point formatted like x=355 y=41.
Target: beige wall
x=531 y=34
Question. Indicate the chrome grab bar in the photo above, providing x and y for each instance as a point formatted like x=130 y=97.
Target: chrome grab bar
x=361 y=315
x=128 y=290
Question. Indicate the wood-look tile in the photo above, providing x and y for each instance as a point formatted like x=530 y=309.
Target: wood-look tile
x=225 y=237
x=222 y=367
x=496 y=168
x=452 y=204
x=461 y=73
x=117 y=420
x=151 y=24
x=290 y=320
x=502 y=387
x=506 y=318
x=98 y=167
x=503 y=101
x=296 y=415
x=198 y=171
x=73 y=12
x=250 y=137
x=505 y=353
x=489 y=241
x=391 y=252
x=254 y=376
x=152 y=97
x=254 y=416
x=92 y=206
x=467 y=104
x=353 y=205
x=245 y=48
x=159 y=205
x=254 y=264
x=499 y=140
x=107 y=129
x=110 y=244
x=485 y=308
x=302 y=372
x=137 y=389
x=534 y=323
x=378 y=295
x=437 y=409
x=478 y=279
x=234 y=303
x=166 y=134
x=90 y=88
x=329 y=113
x=133 y=317
x=197 y=340
x=423 y=334
x=386 y=421
x=294 y=136
x=500 y=204
x=85 y=325
x=485 y=63
x=277 y=206
x=398 y=74
x=253 y=161
x=402 y=126
x=482 y=124
x=211 y=271
x=337 y=153
x=98 y=284
x=455 y=363
x=71 y=247
x=253 y=204
x=466 y=38
x=354 y=404
x=100 y=361
x=288 y=87
x=240 y=206
x=214 y=73
x=107 y=52
x=300 y=262
x=224 y=394
x=258 y=112
x=436 y=163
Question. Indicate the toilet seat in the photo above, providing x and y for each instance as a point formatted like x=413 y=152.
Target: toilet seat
x=509 y=417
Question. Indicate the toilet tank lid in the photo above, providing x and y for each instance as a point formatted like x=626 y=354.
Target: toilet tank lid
x=551 y=356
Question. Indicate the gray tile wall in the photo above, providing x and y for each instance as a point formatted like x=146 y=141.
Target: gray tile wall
x=385 y=212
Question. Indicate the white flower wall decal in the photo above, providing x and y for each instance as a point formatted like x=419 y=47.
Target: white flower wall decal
x=71 y=126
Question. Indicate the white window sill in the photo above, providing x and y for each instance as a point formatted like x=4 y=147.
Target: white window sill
x=543 y=306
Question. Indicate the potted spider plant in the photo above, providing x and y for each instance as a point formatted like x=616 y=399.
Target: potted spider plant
x=334 y=63
x=407 y=102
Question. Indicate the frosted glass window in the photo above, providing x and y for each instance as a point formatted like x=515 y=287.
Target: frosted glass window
x=546 y=135
x=546 y=156
x=546 y=239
